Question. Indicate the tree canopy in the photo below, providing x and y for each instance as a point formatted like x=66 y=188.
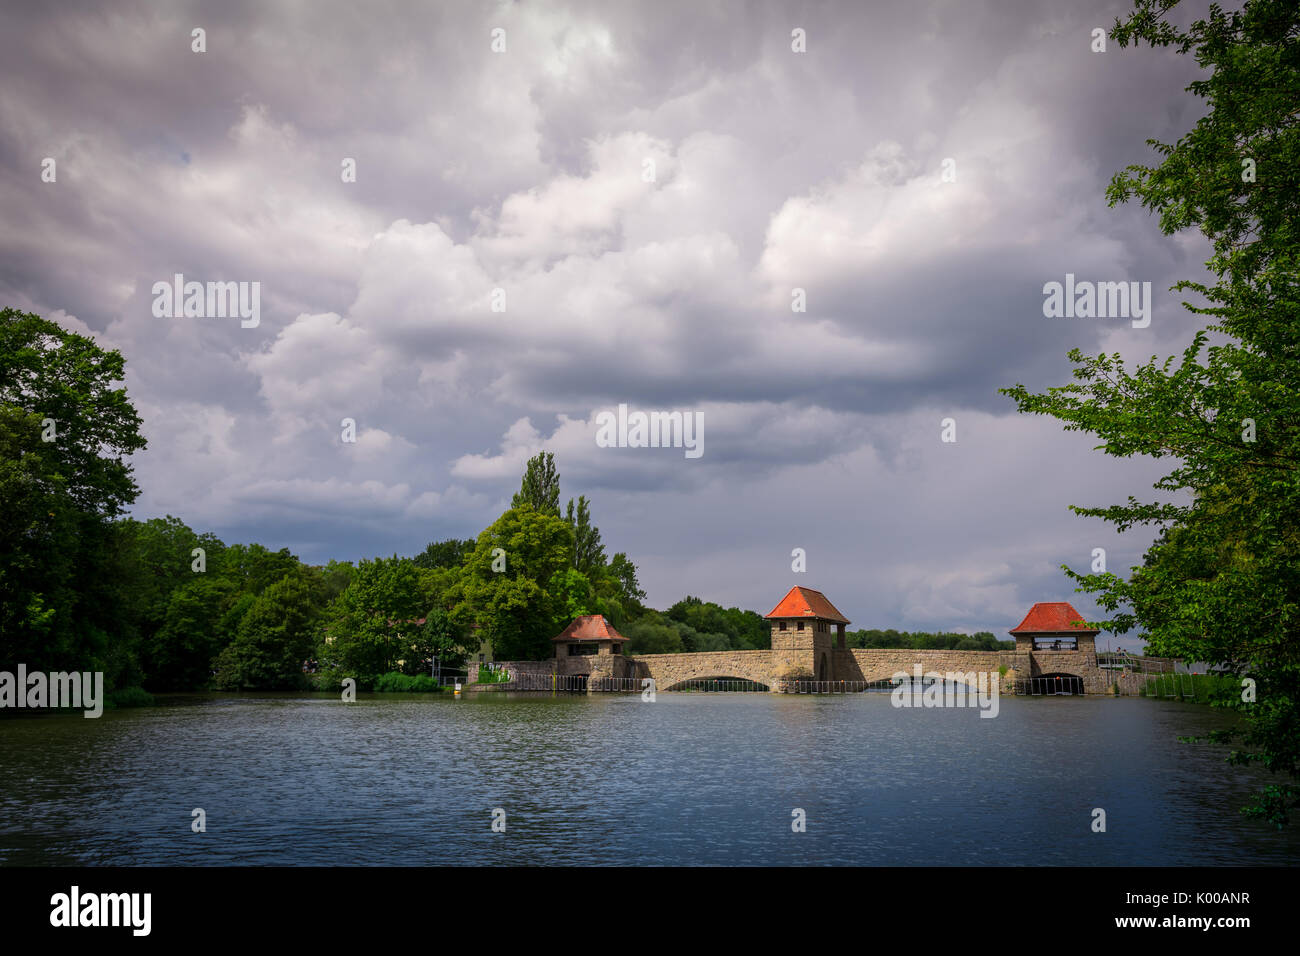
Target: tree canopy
x=1221 y=581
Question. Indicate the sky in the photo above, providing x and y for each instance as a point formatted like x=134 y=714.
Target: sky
x=560 y=208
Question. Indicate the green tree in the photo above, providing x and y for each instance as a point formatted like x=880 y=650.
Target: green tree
x=1221 y=582
x=159 y=560
x=573 y=596
x=504 y=584
x=371 y=626
x=652 y=635
x=588 y=552
x=440 y=637
x=180 y=653
x=540 y=488
x=335 y=578
x=65 y=435
x=444 y=554
x=274 y=637
x=622 y=573
x=254 y=568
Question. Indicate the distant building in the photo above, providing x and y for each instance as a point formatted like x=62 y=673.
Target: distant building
x=1054 y=626
x=590 y=647
x=801 y=634
x=483 y=656
x=589 y=634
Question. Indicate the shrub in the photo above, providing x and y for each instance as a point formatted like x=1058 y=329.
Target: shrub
x=395 y=683
x=1202 y=688
x=128 y=697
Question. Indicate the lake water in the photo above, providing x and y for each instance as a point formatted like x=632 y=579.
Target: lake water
x=610 y=779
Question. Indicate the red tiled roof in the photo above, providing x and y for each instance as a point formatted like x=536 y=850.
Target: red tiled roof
x=805 y=602
x=590 y=627
x=1052 y=617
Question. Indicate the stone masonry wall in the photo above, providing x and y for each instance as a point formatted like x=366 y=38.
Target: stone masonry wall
x=670 y=669
x=853 y=664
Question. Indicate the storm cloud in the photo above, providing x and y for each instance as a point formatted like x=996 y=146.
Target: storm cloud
x=643 y=187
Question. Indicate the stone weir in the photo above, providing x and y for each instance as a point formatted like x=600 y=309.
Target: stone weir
x=1054 y=650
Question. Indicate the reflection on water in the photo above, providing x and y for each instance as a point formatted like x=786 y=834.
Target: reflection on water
x=690 y=779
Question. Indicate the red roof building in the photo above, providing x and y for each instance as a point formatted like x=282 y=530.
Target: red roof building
x=589 y=627
x=805 y=602
x=803 y=641
x=1053 y=625
x=589 y=634
x=1053 y=617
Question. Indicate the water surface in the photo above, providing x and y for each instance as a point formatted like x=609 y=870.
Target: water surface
x=610 y=779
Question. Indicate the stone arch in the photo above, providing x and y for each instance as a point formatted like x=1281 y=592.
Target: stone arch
x=968 y=676
x=671 y=670
x=1057 y=682
x=723 y=681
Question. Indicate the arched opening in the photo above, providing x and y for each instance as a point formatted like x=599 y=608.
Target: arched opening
x=1054 y=685
x=822 y=668
x=721 y=684
x=969 y=681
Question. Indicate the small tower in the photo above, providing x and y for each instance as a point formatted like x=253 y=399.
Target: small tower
x=801 y=634
x=1055 y=626
x=591 y=647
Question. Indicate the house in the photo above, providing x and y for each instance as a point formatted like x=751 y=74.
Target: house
x=589 y=634
x=1054 y=626
x=591 y=647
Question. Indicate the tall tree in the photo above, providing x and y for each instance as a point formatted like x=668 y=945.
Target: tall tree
x=588 y=552
x=275 y=637
x=504 y=587
x=540 y=488
x=371 y=625
x=445 y=554
x=1221 y=583
x=66 y=432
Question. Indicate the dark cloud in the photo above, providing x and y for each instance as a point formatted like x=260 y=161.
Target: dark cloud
x=524 y=171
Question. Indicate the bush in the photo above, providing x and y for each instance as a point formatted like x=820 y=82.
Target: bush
x=1202 y=688
x=128 y=697
x=488 y=676
x=395 y=683
x=650 y=637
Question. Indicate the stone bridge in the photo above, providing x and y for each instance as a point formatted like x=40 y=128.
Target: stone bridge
x=855 y=665
x=670 y=670
x=871 y=665
x=1053 y=649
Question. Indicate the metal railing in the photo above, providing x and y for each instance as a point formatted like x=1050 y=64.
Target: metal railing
x=1049 y=686
x=722 y=685
x=834 y=686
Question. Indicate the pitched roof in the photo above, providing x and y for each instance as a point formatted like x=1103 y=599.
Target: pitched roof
x=590 y=627
x=805 y=602
x=1052 y=617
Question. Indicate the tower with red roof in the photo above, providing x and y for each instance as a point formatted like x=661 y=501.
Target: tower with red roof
x=802 y=639
x=1055 y=626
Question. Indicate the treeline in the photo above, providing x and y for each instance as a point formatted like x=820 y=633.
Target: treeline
x=695 y=625
x=157 y=604
x=924 y=641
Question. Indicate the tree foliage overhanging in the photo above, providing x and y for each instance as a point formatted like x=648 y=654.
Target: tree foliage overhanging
x=1221 y=582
